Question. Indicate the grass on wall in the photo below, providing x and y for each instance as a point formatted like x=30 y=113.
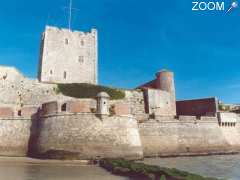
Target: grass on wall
x=83 y=90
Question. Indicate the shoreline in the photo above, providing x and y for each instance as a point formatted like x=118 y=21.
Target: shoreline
x=34 y=161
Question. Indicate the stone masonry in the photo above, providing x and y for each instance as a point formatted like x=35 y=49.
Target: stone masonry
x=68 y=57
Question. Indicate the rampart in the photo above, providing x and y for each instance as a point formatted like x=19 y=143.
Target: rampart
x=15 y=130
x=86 y=136
x=188 y=135
x=73 y=129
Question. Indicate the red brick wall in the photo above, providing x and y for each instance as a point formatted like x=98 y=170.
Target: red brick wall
x=122 y=109
x=6 y=112
x=28 y=111
x=198 y=107
x=78 y=107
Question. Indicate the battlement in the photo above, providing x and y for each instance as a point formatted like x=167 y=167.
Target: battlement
x=93 y=31
x=88 y=106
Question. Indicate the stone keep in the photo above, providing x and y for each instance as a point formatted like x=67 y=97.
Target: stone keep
x=68 y=56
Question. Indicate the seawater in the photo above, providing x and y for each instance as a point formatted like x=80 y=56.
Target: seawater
x=222 y=166
x=22 y=171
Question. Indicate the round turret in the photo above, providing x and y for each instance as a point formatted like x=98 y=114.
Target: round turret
x=165 y=81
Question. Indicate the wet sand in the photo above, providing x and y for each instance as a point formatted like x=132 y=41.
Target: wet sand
x=32 y=169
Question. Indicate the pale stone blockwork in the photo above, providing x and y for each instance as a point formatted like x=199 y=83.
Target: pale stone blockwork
x=68 y=56
x=159 y=102
x=88 y=137
x=14 y=136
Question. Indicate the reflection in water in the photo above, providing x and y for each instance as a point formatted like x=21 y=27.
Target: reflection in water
x=12 y=171
x=226 y=166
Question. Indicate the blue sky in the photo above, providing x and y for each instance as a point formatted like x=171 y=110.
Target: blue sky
x=136 y=39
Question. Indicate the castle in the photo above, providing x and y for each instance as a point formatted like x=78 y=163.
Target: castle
x=38 y=120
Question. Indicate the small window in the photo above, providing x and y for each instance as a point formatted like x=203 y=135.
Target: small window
x=64 y=107
x=51 y=72
x=82 y=42
x=19 y=113
x=66 y=41
x=65 y=75
x=81 y=59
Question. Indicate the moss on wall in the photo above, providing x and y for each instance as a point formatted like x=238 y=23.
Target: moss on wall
x=83 y=90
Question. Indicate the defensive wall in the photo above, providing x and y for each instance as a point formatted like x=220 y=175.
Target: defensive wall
x=74 y=130
x=189 y=135
x=15 y=130
x=17 y=91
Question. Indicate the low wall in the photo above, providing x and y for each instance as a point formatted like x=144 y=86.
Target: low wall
x=85 y=136
x=186 y=137
x=14 y=136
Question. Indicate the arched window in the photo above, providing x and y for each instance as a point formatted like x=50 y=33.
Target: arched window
x=51 y=72
x=65 y=75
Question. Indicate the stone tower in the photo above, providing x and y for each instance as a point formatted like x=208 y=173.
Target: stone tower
x=68 y=56
x=165 y=82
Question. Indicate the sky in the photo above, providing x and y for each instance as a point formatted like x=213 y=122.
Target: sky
x=137 y=38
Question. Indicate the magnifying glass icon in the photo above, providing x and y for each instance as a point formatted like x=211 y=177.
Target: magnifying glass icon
x=234 y=5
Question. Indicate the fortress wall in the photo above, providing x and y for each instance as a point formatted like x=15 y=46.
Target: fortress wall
x=188 y=137
x=14 y=135
x=17 y=90
x=88 y=137
x=135 y=99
